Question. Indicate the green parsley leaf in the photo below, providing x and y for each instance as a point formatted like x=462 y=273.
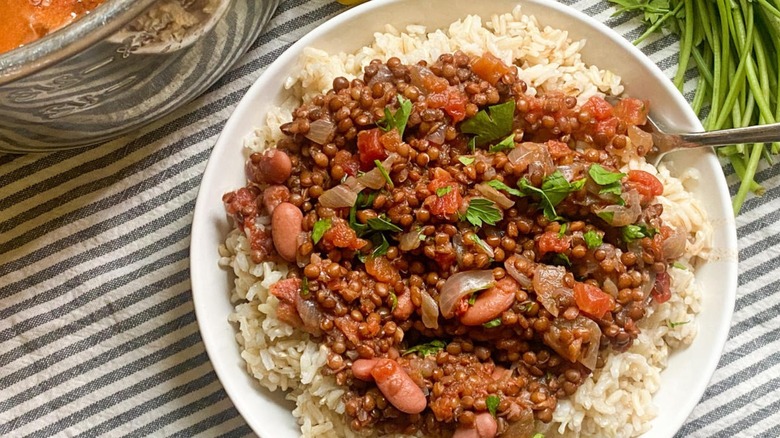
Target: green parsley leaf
x=381 y=245
x=381 y=223
x=305 y=287
x=473 y=298
x=473 y=144
x=491 y=125
x=384 y=173
x=492 y=402
x=538 y=435
x=498 y=185
x=679 y=265
x=606 y=215
x=320 y=227
x=359 y=228
x=609 y=181
x=675 y=324
x=636 y=232
x=562 y=259
x=466 y=161
x=366 y=199
x=423 y=350
x=398 y=119
x=492 y=323
x=562 y=231
x=504 y=145
x=481 y=243
x=554 y=189
x=393 y=301
x=441 y=191
x=592 y=239
x=482 y=210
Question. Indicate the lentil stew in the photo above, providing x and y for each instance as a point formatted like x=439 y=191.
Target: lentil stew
x=468 y=253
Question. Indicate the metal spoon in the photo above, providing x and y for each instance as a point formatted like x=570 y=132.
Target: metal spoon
x=664 y=142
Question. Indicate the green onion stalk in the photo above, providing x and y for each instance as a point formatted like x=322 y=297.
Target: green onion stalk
x=735 y=47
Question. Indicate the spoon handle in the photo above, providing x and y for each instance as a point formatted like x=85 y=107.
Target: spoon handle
x=750 y=134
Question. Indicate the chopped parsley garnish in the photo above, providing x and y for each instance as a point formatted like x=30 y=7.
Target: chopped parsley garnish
x=481 y=211
x=441 y=191
x=381 y=223
x=381 y=245
x=562 y=259
x=305 y=287
x=398 y=119
x=679 y=265
x=675 y=324
x=492 y=401
x=592 y=239
x=554 y=189
x=636 y=232
x=473 y=144
x=504 y=145
x=393 y=300
x=538 y=435
x=320 y=227
x=609 y=181
x=606 y=215
x=473 y=298
x=466 y=161
x=384 y=173
x=498 y=185
x=492 y=323
x=423 y=350
x=491 y=125
x=481 y=243
x=562 y=231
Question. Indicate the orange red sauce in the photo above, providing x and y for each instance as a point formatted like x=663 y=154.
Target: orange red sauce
x=24 y=21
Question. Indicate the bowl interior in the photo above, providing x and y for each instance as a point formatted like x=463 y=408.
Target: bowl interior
x=689 y=370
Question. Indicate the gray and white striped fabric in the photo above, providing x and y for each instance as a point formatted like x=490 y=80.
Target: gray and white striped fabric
x=97 y=330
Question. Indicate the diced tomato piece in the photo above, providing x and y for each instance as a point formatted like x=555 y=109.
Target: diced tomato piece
x=632 y=111
x=456 y=104
x=599 y=108
x=550 y=241
x=662 y=291
x=446 y=205
x=286 y=290
x=489 y=68
x=646 y=184
x=340 y=235
x=370 y=148
x=558 y=149
x=382 y=269
x=592 y=300
x=347 y=161
x=608 y=127
x=390 y=140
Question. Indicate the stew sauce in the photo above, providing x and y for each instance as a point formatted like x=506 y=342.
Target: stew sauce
x=24 y=21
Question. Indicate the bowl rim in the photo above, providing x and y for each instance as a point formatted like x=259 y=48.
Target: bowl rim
x=70 y=40
x=276 y=68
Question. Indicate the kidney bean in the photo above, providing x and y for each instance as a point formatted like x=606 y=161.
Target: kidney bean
x=361 y=368
x=398 y=388
x=485 y=426
x=274 y=166
x=285 y=226
x=405 y=307
x=491 y=303
x=275 y=195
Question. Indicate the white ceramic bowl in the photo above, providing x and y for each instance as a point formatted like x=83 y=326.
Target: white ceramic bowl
x=689 y=371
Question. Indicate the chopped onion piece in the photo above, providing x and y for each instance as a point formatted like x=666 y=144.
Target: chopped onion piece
x=548 y=285
x=343 y=195
x=623 y=215
x=410 y=240
x=460 y=285
x=674 y=245
x=494 y=195
x=509 y=266
x=586 y=351
x=374 y=179
x=320 y=131
x=430 y=310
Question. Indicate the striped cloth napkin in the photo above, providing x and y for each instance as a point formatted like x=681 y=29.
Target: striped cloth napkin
x=97 y=330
